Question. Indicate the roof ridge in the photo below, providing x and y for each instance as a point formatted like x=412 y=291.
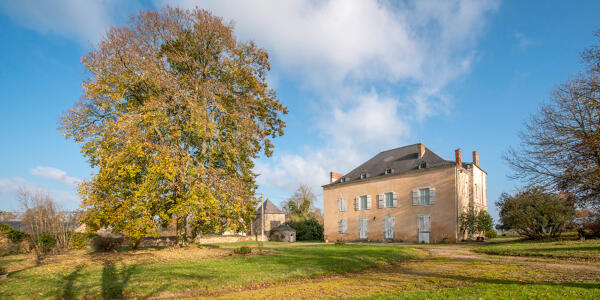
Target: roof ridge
x=399 y=148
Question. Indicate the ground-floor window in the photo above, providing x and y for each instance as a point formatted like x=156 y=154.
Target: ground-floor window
x=388 y=227
x=342 y=226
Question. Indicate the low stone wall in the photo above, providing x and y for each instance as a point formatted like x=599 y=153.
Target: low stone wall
x=212 y=239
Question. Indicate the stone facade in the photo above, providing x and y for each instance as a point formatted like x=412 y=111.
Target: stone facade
x=454 y=187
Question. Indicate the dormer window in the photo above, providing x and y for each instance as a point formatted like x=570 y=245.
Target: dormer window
x=388 y=171
x=363 y=175
x=343 y=179
x=422 y=165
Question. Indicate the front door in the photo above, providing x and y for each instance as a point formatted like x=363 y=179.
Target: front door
x=363 y=232
x=424 y=225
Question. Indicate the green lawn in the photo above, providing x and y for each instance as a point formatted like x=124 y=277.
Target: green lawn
x=306 y=271
x=571 y=249
x=126 y=275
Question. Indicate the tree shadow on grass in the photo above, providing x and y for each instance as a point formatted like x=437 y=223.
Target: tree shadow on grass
x=115 y=281
x=68 y=292
x=475 y=280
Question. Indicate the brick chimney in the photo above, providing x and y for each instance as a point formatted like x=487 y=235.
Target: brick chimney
x=458 y=157
x=333 y=176
x=421 y=149
x=476 y=158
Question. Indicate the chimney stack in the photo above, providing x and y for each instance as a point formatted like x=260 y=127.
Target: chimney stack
x=476 y=158
x=421 y=149
x=458 y=157
x=333 y=176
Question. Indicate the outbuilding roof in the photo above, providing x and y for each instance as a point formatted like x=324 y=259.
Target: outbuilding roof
x=283 y=227
x=270 y=208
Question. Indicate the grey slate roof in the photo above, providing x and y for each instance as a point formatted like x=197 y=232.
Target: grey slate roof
x=270 y=208
x=283 y=227
x=400 y=160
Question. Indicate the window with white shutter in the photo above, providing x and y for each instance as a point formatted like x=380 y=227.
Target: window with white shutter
x=363 y=203
x=424 y=196
x=357 y=203
x=368 y=201
x=415 y=197
x=389 y=200
x=342 y=204
x=380 y=203
x=388 y=229
x=394 y=199
x=431 y=196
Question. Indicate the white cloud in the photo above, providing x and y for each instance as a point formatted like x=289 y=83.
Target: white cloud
x=80 y=19
x=56 y=175
x=375 y=67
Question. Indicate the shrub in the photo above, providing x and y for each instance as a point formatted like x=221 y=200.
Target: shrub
x=46 y=242
x=13 y=235
x=536 y=213
x=242 y=250
x=491 y=234
x=308 y=230
x=80 y=241
x=105 y=244
x=2 y=270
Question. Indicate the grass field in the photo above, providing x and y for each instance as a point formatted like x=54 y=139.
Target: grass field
x=302 y=272
x=192 y=271
x=569 y=249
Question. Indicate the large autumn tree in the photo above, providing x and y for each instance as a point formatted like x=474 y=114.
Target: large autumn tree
x=173 y=113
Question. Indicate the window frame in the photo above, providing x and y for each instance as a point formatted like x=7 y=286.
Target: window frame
x=422 y=199
x=363 y=200
x=391 y=200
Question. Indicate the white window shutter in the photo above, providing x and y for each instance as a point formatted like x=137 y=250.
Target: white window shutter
x=344 y=204
x=368 y=201
x=345 y=222
x=341 y=226
x=431 y=196
x=415 y=196
x=339 y=204
x=380 y=200
x=356 y=203
x=394 y=199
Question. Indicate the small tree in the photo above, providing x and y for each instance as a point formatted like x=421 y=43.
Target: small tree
x=47 y=226
x=473 y=222
x=536 y=213
x=468 y=222
x=300 y=206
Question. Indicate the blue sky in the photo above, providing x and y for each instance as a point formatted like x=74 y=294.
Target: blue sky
x=358 y=77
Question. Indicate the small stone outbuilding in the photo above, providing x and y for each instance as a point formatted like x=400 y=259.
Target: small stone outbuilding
x=273 y=218
x=283 y=233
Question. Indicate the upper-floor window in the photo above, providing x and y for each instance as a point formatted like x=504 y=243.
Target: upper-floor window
x=476 y=192
x=363 y=202
x=424 y=196
x=389 y=200
x=343 y=179
x=388 y=171
x=363 y=175
x=342 y=204
x=422 y=165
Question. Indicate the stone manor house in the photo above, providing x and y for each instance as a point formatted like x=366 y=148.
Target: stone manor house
x=405 y=194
